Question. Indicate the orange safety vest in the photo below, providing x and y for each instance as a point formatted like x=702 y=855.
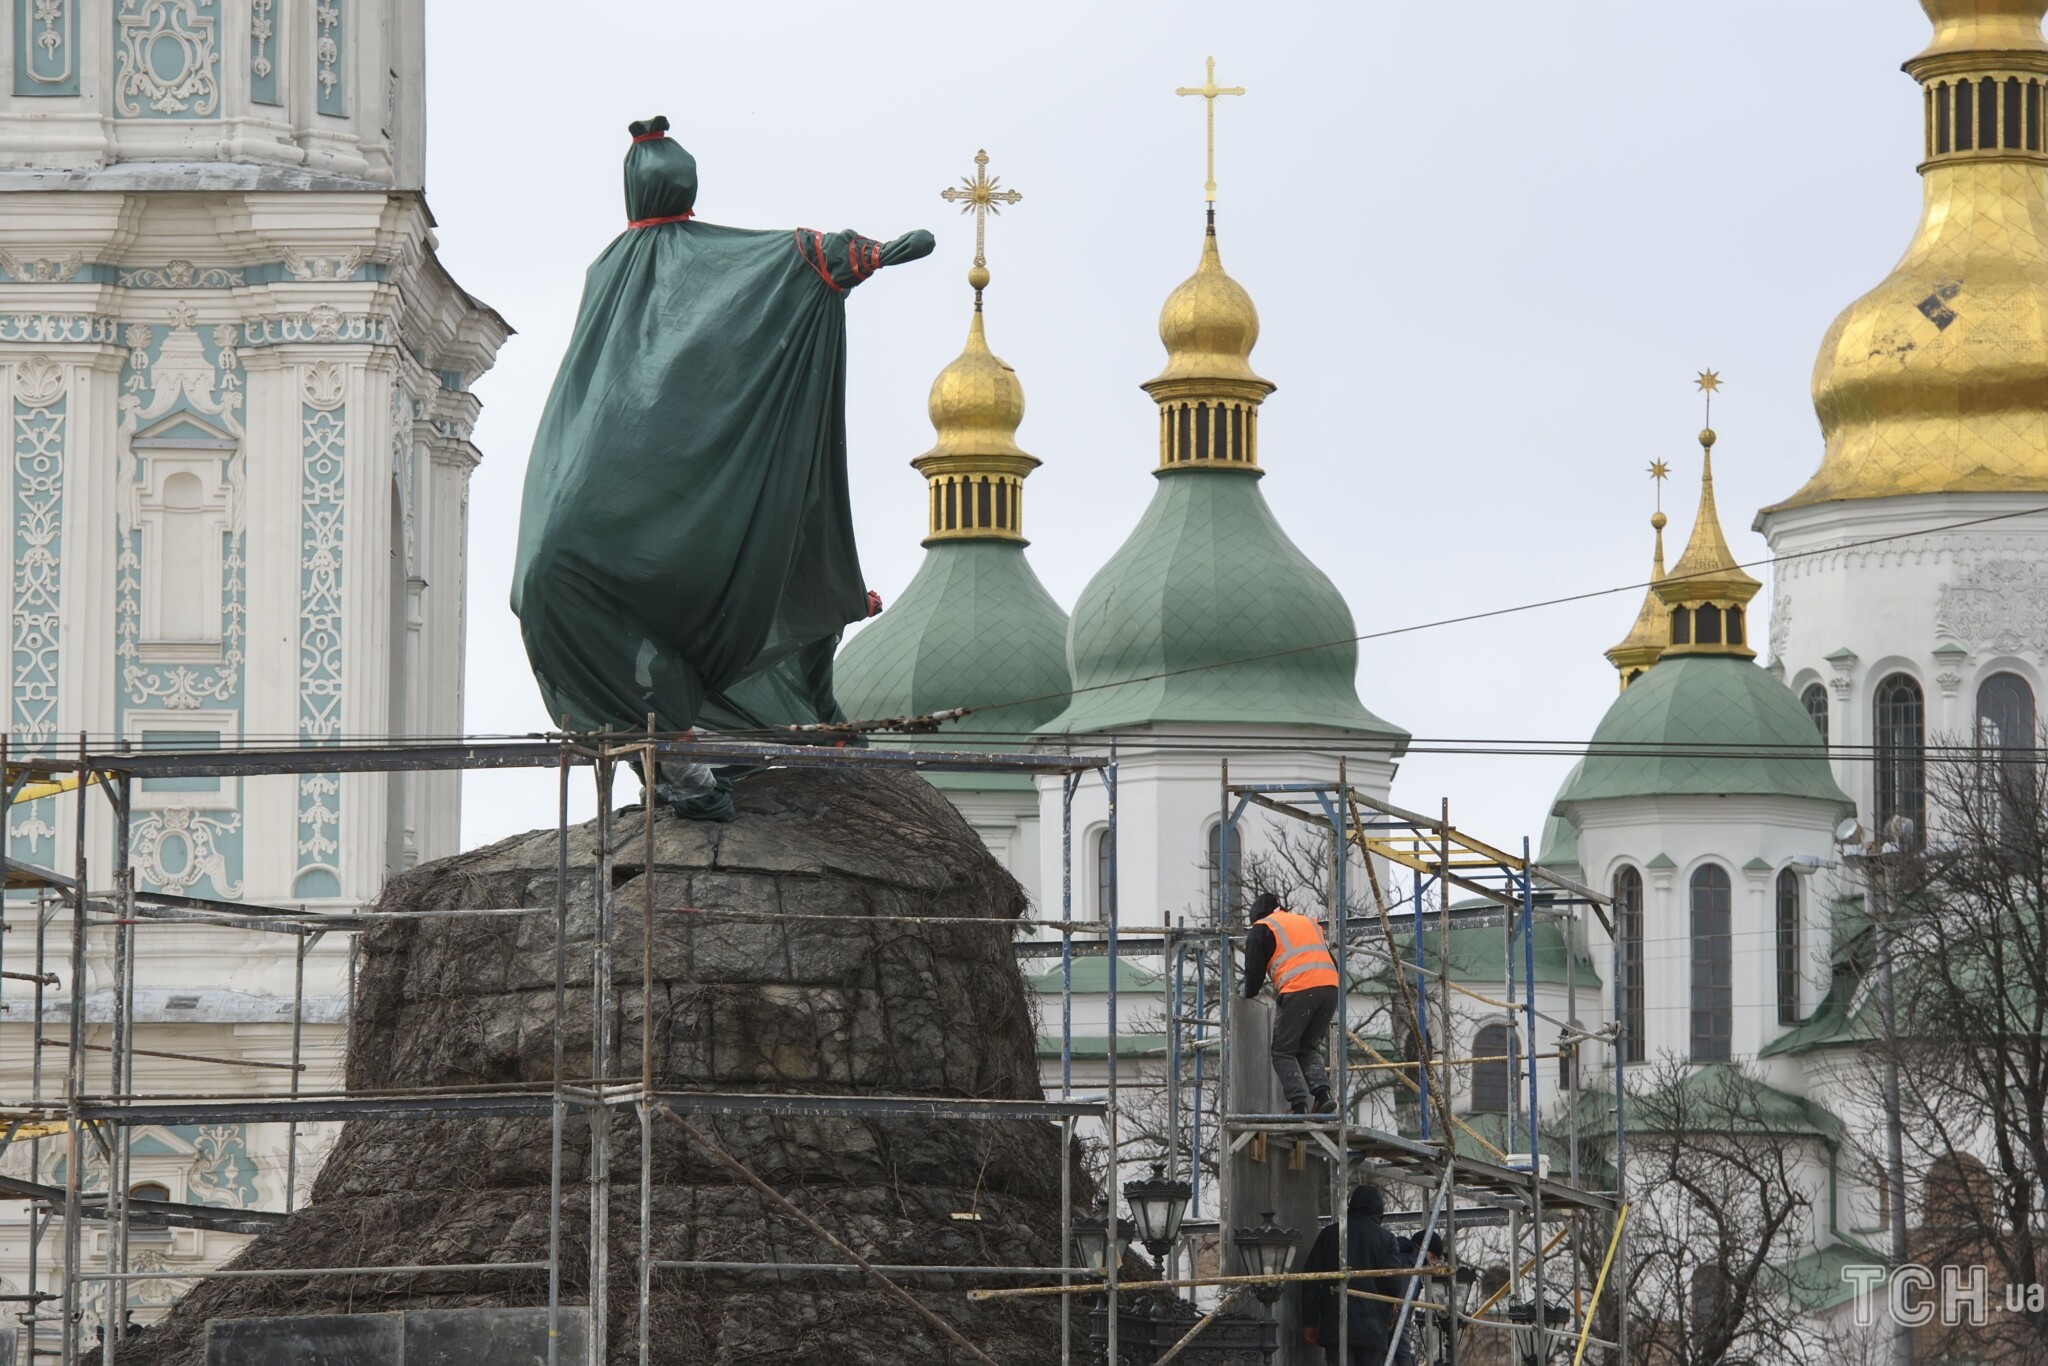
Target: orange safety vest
x=1300 y=958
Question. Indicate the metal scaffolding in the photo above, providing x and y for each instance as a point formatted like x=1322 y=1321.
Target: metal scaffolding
x=1491 y=1188
x=99 y=1107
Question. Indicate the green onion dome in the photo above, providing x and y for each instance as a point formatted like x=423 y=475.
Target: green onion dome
x=1209 y=613
x=973 y=628
x=1207 y=579
x=1705 y=725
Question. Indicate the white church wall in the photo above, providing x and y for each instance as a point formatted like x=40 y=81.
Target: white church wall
x=1668 y=839
x=1949 y=608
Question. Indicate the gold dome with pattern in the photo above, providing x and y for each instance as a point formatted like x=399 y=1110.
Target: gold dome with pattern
x=1208 y=394
x=975 y=472
x=1933 y=382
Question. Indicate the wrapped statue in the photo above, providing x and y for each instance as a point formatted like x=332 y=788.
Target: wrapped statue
x=686 y=543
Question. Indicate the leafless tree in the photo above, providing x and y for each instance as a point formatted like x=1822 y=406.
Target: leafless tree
x=1965 y=920
x=1721 y=1203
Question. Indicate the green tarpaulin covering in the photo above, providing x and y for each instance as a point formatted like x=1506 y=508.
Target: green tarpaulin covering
x=685 y=543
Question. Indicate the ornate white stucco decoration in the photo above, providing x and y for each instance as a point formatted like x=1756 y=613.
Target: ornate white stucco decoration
x=42 y=270
x=150 y=31
x=190 y=839
x=1996 y=607
x=321 y=267
x=181 y=274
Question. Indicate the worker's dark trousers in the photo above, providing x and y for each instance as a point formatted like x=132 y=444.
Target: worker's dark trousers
x=1299 y=1028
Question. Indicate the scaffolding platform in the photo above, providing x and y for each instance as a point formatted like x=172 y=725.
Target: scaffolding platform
x=1420 y=1164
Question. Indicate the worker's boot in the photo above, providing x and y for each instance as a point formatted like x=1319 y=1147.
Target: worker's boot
x=1325 y=1103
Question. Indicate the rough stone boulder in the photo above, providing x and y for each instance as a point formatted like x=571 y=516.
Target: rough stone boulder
x=840 y=1003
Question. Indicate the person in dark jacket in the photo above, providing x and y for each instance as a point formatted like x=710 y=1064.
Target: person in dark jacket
x=1372 y=1248
x=1290 y=949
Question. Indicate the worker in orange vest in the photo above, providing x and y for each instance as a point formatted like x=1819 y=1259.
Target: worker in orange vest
x=1289 y=949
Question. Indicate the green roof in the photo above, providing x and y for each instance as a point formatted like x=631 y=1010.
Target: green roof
x=1558 y=850
x=972 y=628
x=1816 y=1282
x=1207 y=577
x=1478 y=954
x=1721 y=1098
x=1705 y=725
x=1090 y=1046
x=1091 y=977
x=1839 y=1020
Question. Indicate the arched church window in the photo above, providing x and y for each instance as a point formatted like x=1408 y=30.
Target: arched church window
x=1201 y=431
x=1225 y=901
x=1941 y=98
x=1706 y=629
x=2011 y=111
x=1494 y=1069
x=1628 y=924
x=1788 y=936
x=952 y=505
x=1003 y=504
x=1237 y=431
x=1681 y=626
x=2033 y=116
x=1713 y=973
x=1965 y=114
x=188 y=606
x=1900 y=746
x=1735 y=625
x=1815 y=699
x=2005 y=713
x=1105 y=873
x=1186 y=444
x=984 y=512
x=1987 y=114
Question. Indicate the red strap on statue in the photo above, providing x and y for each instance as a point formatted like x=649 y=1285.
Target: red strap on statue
x=650 y=137
x=667 y=218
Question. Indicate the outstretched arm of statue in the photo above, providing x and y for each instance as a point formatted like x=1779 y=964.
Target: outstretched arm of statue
x=844 y=259
x=914 y=245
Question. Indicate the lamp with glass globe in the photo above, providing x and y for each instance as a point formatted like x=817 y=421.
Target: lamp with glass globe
x=1092 y=1240
x=1265 y=1250
x=1157 y=1205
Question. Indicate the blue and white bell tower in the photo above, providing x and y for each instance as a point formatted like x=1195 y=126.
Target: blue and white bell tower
x=237 y=388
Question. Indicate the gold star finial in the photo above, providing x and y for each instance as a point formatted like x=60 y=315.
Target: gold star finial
x=1709 y=384
x=980 y=195
x=1659 y=472
x=1209 y=90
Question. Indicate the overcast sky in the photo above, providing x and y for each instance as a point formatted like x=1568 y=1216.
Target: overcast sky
x=1491 y=243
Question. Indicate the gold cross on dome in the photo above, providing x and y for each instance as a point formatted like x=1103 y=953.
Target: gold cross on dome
x=1209 y=90
x=981 y=196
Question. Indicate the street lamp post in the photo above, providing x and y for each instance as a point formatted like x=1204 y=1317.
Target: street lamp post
x=1879 y=867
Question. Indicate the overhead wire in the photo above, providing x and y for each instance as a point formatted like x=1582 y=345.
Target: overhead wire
x=1458 y=620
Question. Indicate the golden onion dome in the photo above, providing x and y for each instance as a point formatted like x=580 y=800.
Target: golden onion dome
x=975 y=471
x=1933 y=382
x=1209 y=327
x=976 y=402
x=1208 y=394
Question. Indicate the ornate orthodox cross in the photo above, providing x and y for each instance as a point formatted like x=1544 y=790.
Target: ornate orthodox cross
x=1209 y=90
x=981 y=196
